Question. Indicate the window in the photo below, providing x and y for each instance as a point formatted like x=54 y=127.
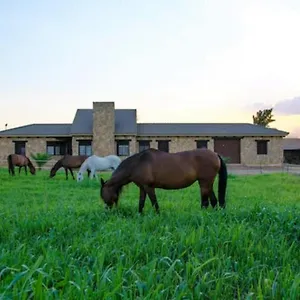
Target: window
x=20 y=147
x=85 y=147
x=262 y=147
x=56 y=148
x=201 y=144
x=163 y=146
x=144 y=145
x=123 y=148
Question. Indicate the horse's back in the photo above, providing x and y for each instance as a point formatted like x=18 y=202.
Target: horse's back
x=185 y=161
x=17 y=159
x=73 y=161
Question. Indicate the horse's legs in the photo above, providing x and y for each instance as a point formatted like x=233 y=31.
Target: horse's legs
x=25 y=167
x=66 y=170
x=20 y=170
x=89 y=172
x=152 y=196
x=72 y=173
x=143 y=195
x=205 y=192
x=213 y=199
x=92 y=174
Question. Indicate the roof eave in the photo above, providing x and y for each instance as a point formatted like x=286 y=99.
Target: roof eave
x=126 y=133
x=81 y=134
x=35 y=135
x=212 y=134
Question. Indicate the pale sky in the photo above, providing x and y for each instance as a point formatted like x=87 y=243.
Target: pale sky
x=174 y=61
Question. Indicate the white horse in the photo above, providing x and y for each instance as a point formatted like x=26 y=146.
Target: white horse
x=97 y=163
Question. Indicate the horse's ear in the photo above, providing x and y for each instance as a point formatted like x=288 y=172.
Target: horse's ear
x=102 y=181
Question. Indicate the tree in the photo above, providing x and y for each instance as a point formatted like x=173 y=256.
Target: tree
x=41 y=159
x=263 y=117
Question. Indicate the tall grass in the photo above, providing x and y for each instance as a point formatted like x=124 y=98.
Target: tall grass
x=58 y=241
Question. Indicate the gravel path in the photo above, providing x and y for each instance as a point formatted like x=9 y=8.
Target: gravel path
x=242 y=170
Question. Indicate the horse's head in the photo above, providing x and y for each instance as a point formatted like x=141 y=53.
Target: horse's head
x=109 y=194
x=52 y=172
x=31 y=167
x=79 y=176
x=32 y=170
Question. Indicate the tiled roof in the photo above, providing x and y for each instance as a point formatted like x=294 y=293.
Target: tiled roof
x=125 y=123
x=291 y=144
x=83 y=122
x=206 y=129
x=38 y=130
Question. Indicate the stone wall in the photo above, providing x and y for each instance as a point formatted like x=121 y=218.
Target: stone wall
x=33 y=145
x=249 y=155
x=176 y=144
x=188 y=143
x=6 y=147
x=103 y=128
x=103 y=144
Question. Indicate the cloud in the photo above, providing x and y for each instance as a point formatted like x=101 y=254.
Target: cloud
x=294 y=133
x=288 y=107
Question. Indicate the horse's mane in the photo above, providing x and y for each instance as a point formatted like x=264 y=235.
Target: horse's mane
x=29 y=162
x=126 y=166
x=124 y=169
x=57 y=165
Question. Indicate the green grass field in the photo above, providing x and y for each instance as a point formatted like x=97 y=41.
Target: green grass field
x=58 y=242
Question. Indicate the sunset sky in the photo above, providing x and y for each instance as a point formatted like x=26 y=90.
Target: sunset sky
x=174 y=61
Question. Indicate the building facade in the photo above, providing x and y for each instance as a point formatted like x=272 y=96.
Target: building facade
x=104 y=130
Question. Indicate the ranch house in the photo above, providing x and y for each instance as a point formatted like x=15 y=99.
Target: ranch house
x=104 y=130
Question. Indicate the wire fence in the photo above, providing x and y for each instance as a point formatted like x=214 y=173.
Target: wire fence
x=232 y=168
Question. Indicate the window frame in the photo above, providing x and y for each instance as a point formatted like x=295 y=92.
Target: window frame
x=144 y=145
x=198 y=142
x=123 y=144
x=17 y=145
x=62 y=148
x=262 y=147
x=167 y=143
x=85 y=144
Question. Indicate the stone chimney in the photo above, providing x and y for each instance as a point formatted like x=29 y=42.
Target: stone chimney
x=103 y=128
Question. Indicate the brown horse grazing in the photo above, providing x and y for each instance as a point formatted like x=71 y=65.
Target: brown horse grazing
x=152 y=169
x=68 y=162
x=20 y=161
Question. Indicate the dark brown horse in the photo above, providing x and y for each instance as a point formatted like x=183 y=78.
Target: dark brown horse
x=152 y=169
x=68 y=162
x=20 y=161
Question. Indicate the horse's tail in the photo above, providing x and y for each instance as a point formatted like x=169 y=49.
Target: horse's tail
x=222 y=182
x=10 y=165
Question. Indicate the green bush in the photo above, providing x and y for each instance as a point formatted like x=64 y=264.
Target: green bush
x=41 y=159
x=226 y=159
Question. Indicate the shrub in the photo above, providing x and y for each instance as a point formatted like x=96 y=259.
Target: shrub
x=226 y=159
x=41 y=159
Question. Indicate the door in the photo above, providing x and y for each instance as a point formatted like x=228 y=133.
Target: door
x=230 y=148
